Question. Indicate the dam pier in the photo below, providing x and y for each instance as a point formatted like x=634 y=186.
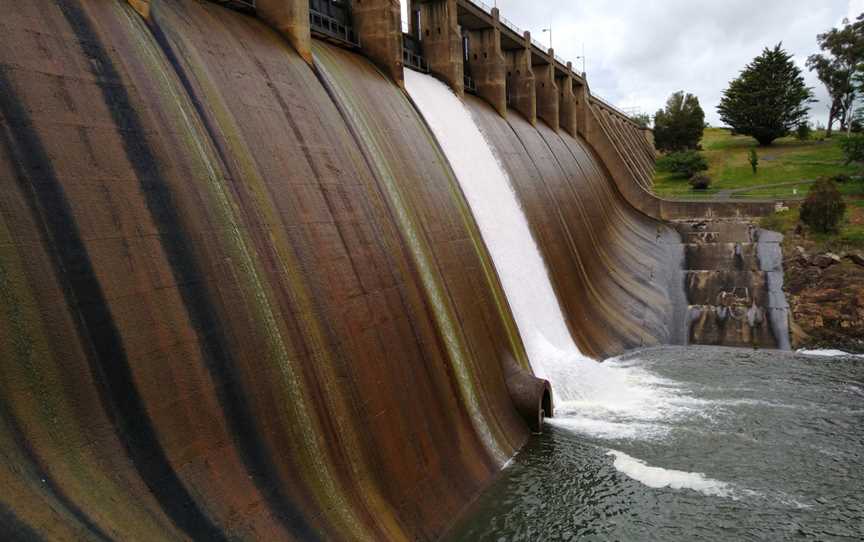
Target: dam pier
x=286 y=270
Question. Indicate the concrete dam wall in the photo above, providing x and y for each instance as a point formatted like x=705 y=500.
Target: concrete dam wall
x=243 y=296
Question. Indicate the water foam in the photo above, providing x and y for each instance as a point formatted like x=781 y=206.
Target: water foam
x=656 y=477
x=828 y=353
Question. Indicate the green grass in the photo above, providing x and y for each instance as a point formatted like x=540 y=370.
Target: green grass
x=787 y=160
x=851 y=234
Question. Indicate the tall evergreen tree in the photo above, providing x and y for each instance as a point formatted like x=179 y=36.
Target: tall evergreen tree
x=769 y=99
x=680 y=126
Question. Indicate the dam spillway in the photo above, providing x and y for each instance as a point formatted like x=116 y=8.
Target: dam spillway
x=243 y=296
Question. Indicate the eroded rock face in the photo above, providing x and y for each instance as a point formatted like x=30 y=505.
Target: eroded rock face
x=827 y=303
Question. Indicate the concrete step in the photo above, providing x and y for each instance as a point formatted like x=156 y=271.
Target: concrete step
x=721 y=256
x=707 y=232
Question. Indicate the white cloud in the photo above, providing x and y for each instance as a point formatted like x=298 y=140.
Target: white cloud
x=856 y=7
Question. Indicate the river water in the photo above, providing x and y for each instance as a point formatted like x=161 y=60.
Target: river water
x=701 y=444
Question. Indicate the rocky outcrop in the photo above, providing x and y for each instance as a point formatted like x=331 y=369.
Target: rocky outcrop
x=826 y=295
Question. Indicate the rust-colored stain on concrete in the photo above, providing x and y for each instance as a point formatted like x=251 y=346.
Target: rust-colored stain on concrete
x=214 y=323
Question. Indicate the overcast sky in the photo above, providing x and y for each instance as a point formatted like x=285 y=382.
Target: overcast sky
x=640 y=51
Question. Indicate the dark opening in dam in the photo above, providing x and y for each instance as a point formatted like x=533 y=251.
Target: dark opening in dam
x=286 y=270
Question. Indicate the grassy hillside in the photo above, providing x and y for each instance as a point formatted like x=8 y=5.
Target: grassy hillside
x=785 y=169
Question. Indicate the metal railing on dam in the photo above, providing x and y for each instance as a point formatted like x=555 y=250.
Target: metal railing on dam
x=332 y=19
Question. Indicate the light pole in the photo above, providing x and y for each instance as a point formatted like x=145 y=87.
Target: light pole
x=584 y=70
x=550 y=34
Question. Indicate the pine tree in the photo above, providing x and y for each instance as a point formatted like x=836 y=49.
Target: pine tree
x=769 y=99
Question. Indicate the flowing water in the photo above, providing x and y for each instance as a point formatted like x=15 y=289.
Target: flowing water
x=664 y=444
x=697 y=443
x=550 y=347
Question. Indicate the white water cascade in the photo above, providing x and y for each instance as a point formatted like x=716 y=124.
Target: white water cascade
x=551 y=350
x=615 y=400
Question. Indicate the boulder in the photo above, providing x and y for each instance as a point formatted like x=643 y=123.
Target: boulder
x=830 y=314
x=813 y=274
x=824 y=261
x=857 y=258
x=826 y=296
x=811 y=309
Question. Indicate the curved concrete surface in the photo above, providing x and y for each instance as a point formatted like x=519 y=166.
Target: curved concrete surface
x=242 y=297
x=608 y=263
x=214 y=321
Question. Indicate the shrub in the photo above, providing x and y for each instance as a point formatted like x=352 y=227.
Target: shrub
x=824 y=208
x=803 y=132
x=685 y=163
x=780 y=221
x=700 y=182
x=853 y=148
x=754 y=160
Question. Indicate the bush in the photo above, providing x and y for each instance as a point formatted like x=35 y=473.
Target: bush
x=700 y=182
x=824 y=208
x=685 y=163
x=853 y=148
x=803 y=132
x=780 y=221
x=754 y=160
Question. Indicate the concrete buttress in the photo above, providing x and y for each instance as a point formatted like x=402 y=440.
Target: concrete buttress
x=547 y=92
x=567 y=106
x=291 y=19
x=523 y=94
x=378 y=24
x=442 y=41
x=487 y=65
